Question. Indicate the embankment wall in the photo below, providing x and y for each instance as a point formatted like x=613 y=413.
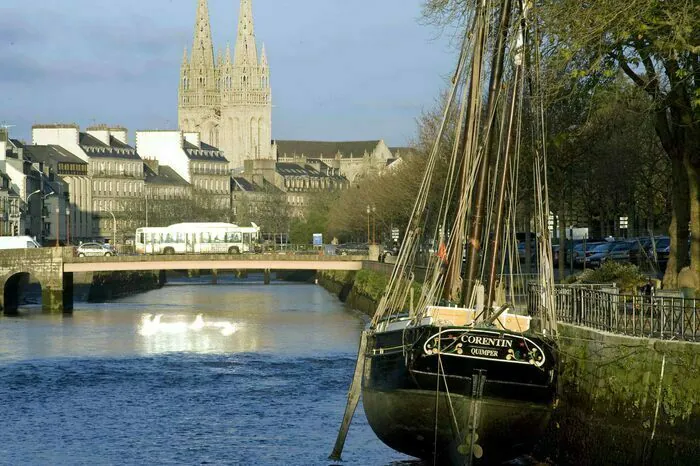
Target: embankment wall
x=626 y=400
x=104 y=286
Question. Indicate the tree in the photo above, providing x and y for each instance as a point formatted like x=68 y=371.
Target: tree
x=657 y=46
x=314 y=219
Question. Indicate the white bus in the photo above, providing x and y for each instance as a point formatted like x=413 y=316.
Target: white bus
x=204 y=238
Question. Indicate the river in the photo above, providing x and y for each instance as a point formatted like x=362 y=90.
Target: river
x=193 y=373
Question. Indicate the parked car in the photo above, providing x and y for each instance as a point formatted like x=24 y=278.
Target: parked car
x=598 y=254
x=95 y=249
x=663 y=249
x=620 y=251
x=639 y=252
x=522 y=250
x=581 y=252
x=18 y=242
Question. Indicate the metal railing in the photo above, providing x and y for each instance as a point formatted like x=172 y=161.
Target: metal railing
x=666 y=317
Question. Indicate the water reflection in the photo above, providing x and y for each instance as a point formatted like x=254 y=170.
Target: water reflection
x=167 y=333
x=286 y=319
x=239 y=374
x=153 y=324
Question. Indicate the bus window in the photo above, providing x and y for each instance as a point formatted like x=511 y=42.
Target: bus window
x=142 y=238
x=205 y=237
x=168 y=237
x=246 y=238
x=219 y=237
x=180 y=237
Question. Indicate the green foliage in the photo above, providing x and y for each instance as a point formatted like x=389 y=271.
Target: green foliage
x=371 y=284
x=315 y=219
x=626 y=276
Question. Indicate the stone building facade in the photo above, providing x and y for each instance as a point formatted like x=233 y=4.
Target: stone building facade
x=116 y=170
x=227 y=100
x=354 y=159
x=201 y=165
x=163 y=183
x=296 y=181
x=72 y=172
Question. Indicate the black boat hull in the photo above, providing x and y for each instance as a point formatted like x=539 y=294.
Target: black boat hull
x=405 y=420
x=423 y=404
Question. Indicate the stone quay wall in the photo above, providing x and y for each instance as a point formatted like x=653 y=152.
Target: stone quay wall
x=623 y=400
x=626 y=400
x=104 y=286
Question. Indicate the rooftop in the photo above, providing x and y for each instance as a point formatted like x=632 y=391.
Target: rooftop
x=93 y=147
x=326 y=149
x=51 y=152
x=166 y=176
x=206 y=152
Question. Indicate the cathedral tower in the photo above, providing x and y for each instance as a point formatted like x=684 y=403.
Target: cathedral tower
x=199 y=96
x=228 y=100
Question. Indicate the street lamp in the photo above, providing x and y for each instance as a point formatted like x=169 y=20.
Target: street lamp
x=374 y=224
x=114 y=228
x=369 y=210
x=67 y=225
x=26 y=201
x=43 y=198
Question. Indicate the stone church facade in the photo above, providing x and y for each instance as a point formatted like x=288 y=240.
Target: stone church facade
x=227 y=100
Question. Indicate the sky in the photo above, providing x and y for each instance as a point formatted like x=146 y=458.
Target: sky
x=340 y=69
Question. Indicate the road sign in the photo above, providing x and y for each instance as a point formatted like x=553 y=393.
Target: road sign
x=624 y=221
x=395 y=234
x=318 y=239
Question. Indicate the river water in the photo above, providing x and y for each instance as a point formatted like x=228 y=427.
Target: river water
x=193 y=373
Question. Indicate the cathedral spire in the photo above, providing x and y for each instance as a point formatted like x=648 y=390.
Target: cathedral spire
x=228 y=53
x=263 y=57
x=202 y=47
x=246 y=51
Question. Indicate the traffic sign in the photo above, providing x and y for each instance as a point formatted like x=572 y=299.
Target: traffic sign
x=395 y=234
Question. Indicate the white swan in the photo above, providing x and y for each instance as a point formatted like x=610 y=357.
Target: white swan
x=198 y=323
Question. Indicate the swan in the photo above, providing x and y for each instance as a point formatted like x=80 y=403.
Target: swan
x=198 y=323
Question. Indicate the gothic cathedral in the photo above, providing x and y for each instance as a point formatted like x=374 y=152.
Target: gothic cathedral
x=229 y=102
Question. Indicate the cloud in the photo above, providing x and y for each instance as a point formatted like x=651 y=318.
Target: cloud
x=25 y=70
x=15 y=32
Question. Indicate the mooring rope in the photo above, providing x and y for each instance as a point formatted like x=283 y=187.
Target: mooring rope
x=658 y=395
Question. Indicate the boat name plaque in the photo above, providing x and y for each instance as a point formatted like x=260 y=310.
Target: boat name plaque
x=485 y=344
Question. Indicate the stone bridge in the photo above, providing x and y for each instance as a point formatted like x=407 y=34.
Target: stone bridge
x=53 y=268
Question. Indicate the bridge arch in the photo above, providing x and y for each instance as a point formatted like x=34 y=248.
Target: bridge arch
x=13 y=285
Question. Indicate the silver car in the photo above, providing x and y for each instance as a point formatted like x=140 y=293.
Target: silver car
x=95 y=249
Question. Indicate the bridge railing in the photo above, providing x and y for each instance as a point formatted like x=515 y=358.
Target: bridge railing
x=663 y=316
x=300 y=249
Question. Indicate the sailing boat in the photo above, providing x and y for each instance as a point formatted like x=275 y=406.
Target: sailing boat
x=450 y=370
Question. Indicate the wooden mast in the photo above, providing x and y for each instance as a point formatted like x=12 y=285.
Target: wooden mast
x=474 y=246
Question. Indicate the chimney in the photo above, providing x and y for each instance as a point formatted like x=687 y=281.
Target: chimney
x=152 y=164
x=99 y=132
x=120 y=134
x=3 y=152
x=193 y=138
